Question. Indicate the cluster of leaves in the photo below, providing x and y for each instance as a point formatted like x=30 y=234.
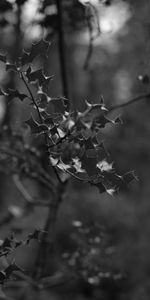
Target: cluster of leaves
x=73 y=139
x=73 y=147
x=10 y=244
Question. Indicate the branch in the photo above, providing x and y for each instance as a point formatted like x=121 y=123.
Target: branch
x=28 y=198
x=61 y=46
x=131 y=101
x=32 y=98
x=46 y=250
x=40 y=117
x=91 y=8
x=42 y=178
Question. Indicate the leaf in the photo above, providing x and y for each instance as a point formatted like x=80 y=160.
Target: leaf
x=104 y=166
x=111 y=191
x=41 y=48
x=101 y=187
x=7 y=243
x=118 y=121
x=11 y=268
x=89 y=164
x=89 y=144
x=34 y=236
x=77 y=165
x=3 y=58
x=61 y=133
x=16 y=94
x=43 y=99
x=62 y=166
x=35 y=127
x=2 y=277
x=2 y=93
x=53 y=161
x=38 y=76
x=11 y=67
x=128 y=177
x=53 y=130
x=11 y=94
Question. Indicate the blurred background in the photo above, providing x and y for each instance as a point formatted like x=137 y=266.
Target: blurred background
x=117 y=68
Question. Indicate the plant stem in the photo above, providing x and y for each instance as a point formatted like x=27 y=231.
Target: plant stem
x=41 y=120
x=129 y=102
x=32 y=98
x=46 y=250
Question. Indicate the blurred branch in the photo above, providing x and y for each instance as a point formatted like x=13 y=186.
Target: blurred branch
x=42 y=177
x=61 y=45
x=90 y=48
x=131 y=101
x=46 y=250
x=91 y=13
x=29 y=199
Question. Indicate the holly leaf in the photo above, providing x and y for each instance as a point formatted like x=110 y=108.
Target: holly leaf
x=2 y=277
x=38 y=76
x=16 y=94
x=11 y=268
x=34 y=236
x=43 y=99
x=11 y=94
x=128 y=177
x=41 y=48
x=104 y=166
x=35 y=127
x=118 y=121
x=89 y=164
x=11 y=67
x=101 y=187
x=3 y=58
x=2 y=93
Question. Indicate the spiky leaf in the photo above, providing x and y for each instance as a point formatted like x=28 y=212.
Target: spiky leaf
x=40 y=48
x=35 y=127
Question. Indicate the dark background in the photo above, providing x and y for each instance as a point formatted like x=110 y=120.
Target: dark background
x=120 y=55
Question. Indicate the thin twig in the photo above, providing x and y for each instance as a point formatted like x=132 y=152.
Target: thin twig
x=76 y=177
x=41 y=178
x=129 y=102
x=22 y=189
x=28 y=198
x=32 y=97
